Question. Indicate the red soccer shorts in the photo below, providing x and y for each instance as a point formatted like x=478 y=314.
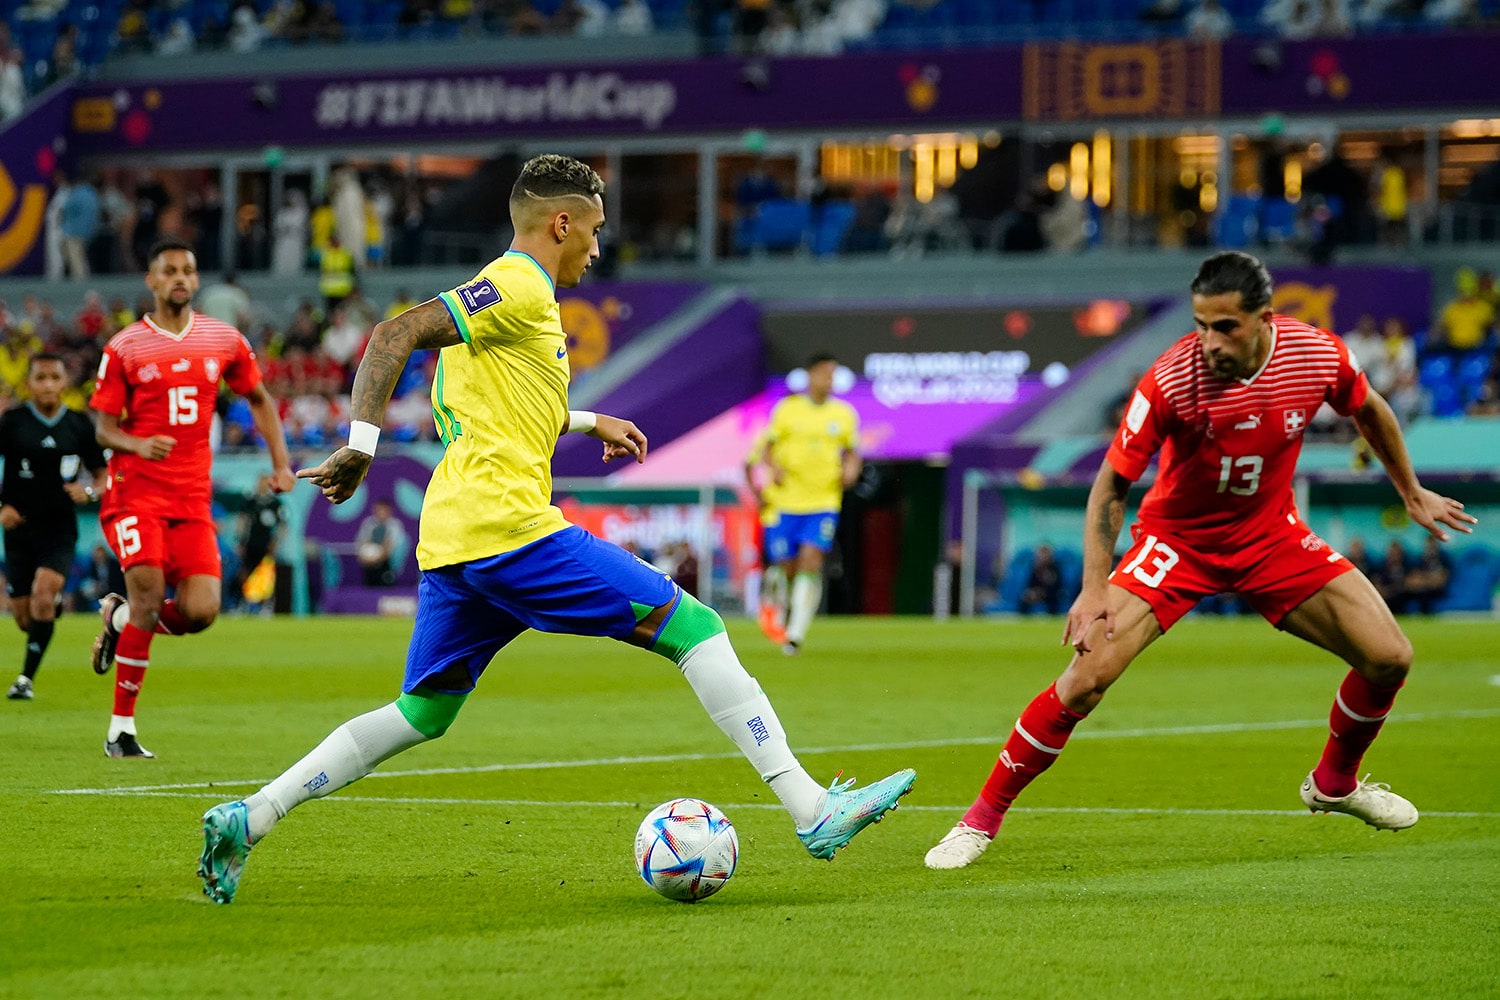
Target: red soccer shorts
x=181 y=548
x=1285 y=566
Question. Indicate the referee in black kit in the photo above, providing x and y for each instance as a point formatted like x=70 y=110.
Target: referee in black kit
x=45 y=445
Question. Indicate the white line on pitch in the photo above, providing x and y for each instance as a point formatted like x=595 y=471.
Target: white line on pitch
x=742 y=806
x=1087 y=734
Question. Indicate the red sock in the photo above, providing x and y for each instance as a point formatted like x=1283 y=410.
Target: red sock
x=170 y=621
x=1034 y=744
x=1359 y=710
x=132 y=656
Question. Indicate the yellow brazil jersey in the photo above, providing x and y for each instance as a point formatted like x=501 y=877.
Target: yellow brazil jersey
x=770 y=492
x=808 y=441
x=500 y=400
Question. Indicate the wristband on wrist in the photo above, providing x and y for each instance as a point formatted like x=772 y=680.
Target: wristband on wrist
x=88 y=491
x=363 y=437
x=581 y=421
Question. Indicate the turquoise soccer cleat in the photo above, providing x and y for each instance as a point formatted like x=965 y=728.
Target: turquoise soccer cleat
x=226 y=845
x=849 y=810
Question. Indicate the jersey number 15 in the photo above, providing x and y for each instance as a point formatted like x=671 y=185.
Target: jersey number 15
x=182 y=405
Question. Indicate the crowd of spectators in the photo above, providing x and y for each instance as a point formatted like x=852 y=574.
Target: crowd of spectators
x=1408 y=583
x=307 y=361
x=103 y=223
x=1450 y=369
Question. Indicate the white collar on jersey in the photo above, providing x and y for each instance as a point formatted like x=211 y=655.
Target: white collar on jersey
x=168 y=333
x=1269 y=353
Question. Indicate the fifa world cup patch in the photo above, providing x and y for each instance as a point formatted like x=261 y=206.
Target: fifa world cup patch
x=479 y=296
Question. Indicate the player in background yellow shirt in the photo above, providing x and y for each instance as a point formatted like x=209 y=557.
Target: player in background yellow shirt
x=811 y=452
x=498 y=558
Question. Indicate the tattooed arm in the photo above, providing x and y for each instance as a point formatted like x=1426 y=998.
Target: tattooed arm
x=421 y=328
x=1102 y=520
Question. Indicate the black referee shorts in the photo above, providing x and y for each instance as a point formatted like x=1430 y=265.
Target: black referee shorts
x=28 y=549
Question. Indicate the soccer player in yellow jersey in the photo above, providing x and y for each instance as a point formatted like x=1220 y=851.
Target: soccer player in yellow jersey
x=773 y=583
x=497 y=558
x=811 y=449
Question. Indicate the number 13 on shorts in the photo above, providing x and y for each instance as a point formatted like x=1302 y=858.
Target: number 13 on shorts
x=1161 y=558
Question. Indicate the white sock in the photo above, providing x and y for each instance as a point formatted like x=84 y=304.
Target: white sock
x=349 y=753
x=807 y=594
x=736 y=704
x=120 y=724
x=121 y=616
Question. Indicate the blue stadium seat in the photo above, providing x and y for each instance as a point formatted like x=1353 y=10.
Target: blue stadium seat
x=1470 y=376
x=834 y=222
x=1235 y=224
x=1435 y=370
x=779 y=224
x=1279 y=220
x=1447 y=401
x=1476 y=573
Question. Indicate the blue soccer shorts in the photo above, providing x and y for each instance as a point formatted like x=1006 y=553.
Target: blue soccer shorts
x=785 y=538
x=569 y=582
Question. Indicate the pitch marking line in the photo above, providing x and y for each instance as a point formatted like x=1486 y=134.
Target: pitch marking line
x=741 y=806
x=1094 y=734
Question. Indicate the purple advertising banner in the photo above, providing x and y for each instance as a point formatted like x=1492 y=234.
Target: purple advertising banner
x=336 y=583
x=667 y=400
x=1377 y=73
x=1334 y=298
x=31 y=148
x=1044 y=81
x=600 y=317
x=488 y=103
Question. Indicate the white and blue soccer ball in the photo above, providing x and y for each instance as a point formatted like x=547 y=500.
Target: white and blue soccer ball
x=686 y=849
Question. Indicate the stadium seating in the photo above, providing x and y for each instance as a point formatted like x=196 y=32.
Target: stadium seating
x=944 y=23
x=1454 y=380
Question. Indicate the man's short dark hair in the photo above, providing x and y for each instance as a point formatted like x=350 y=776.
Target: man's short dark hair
x=552 y=175
x=162 y=246
x=1233 y=271
x=45 y=356
x=822 y=357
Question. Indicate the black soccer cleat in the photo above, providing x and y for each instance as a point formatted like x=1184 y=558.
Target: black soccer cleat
x=126 y=745
x=104 y=643
x=20 y=690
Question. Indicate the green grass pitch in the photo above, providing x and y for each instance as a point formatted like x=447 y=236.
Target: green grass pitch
x=1165 y=855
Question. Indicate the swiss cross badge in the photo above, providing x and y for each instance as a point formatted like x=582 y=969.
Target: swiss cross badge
x=1293 y=421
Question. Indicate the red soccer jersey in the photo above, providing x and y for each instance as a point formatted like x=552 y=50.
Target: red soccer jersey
x=167 y=383
x=1229 y=446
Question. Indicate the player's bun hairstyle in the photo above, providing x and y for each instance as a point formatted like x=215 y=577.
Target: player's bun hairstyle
x=820 y=358
x=1233 y=271
x=44 y=356
x=552 y=175
x=162 y=246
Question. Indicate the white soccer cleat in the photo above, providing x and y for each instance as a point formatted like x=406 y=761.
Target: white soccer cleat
x=1370 y=801
x=962 y=846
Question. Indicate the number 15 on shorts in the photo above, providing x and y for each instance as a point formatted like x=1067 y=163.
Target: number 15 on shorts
x=1162 y=558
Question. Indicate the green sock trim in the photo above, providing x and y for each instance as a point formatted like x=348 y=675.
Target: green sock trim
x=430 y=712
x=689 y=624
x=814 y=577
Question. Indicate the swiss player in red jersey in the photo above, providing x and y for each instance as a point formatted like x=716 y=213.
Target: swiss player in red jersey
x=1226 y=407
x=157 y=384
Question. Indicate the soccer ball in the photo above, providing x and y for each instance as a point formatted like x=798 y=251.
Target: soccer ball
x=686 y=849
